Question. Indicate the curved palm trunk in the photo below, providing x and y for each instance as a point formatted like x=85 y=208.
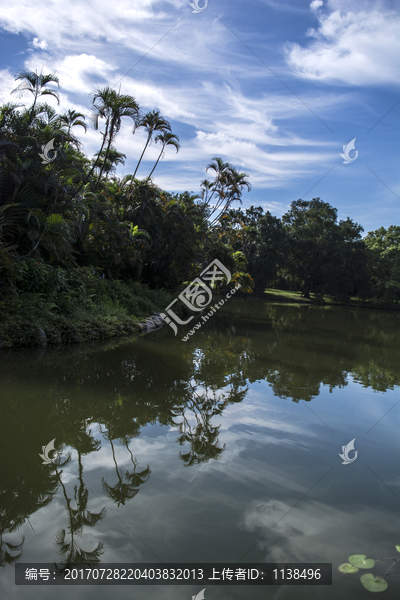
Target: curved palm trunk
x=116 y=464
x=159 y=156
x=141 y=156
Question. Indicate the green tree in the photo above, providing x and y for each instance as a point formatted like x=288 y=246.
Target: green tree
x=167 y=139
x=36 y=84
x=72 y=118
x=384 y=262
x=226 y=189
x=152 y=122
x=324 y=256
x=112 y=106
x=267 y=252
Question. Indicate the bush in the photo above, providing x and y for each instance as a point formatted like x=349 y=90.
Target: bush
x=71 y=306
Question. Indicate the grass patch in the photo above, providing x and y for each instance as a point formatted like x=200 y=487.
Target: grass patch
x=295 y=297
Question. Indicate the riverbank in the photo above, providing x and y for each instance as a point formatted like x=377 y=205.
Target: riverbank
x=295 y=297
x=99 y=309
x=86 y=308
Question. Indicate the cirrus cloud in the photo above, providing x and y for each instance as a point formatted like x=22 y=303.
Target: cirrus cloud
x=350 y=47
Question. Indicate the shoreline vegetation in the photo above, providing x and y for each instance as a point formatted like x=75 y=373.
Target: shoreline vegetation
x=88 y=255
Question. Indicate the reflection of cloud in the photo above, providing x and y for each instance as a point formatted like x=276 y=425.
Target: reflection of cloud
x=301 y=535
x=68 y=474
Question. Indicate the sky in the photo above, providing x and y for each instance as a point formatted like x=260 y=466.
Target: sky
x=275 y=87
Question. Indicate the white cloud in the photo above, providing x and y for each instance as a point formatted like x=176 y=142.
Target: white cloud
x=243 y=129
x=57 y=21
x=95 y=46
x=42 y=45
x=359 y=47
x=8 y=83
x=76 y=72
x=122 y=29
x=315 y=4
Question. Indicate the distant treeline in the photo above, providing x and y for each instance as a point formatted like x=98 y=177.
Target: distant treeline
x=67 y=221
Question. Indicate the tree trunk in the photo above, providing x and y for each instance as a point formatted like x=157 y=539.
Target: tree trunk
x=144 y=150
x=159 y=156
x=91 y=170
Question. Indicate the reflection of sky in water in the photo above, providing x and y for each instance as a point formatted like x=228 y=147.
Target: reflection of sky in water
x=278 y=492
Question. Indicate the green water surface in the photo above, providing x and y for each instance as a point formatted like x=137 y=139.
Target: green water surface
x=223 y=448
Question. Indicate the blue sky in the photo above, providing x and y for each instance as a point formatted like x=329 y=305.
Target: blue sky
x=274 y=87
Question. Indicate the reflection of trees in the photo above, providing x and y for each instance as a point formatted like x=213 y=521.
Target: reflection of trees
x=295 y=349
x=123 y=491
x=78 y=517
x=15 y=510
x=7 y=549
x=25 y=487
x=203 y=436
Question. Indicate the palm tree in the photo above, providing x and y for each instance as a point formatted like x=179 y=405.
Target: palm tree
x=227 y=186
x=234 y=182
x=152 y=121
x=167 y=139
x=112 y=106
x=217 y=187
x=114 y=158
x=72 y=119
x=36 y=84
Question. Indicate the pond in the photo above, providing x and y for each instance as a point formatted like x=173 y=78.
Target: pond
x=221 y=449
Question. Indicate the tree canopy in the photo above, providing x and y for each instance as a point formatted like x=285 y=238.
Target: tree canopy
x=64 y=210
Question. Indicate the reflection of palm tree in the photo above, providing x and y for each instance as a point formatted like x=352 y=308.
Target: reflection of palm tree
x=35 y=493
x=81 y=515
x=121 y=492
x=9 y=523
x=6 y=550
x=78 y=518
x=203 y=437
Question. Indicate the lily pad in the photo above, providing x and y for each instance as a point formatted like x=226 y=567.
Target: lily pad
x=398 y=548
x=372 y=583
x=347 y=568
x=361 y=561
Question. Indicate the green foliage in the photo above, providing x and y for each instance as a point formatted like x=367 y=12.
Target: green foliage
x=325 y=256
x=347 y=568
x=74 y=237
x=383 y=247
x=72 y=306
x=361 y=561
x=35 y=276
x=370 y=582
